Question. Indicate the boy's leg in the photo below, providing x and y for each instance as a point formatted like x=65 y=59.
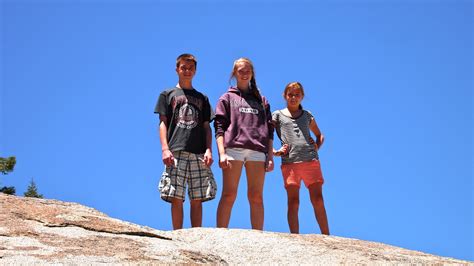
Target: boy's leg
x=173 y=190
x=255 y=178
x=196 y=213
x=201 y=186
x=177 y=213
x=230 y=183
x=293 y=193
x=316 y=195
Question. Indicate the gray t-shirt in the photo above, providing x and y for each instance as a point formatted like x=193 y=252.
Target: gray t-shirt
x=296 y=133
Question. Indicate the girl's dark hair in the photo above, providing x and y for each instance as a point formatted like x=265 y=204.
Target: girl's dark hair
x=253 y=83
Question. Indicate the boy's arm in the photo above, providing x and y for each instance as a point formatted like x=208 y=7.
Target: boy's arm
x=166 y=155
x=208 y=154
x=313 y=126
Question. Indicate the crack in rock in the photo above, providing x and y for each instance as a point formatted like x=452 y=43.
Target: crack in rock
x=130 y=233
x=89 y=228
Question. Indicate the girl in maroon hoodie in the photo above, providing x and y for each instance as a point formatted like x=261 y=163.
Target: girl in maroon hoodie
x=244 y=135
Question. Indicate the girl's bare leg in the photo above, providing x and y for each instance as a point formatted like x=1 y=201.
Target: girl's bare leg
x=316 y=195
x=293 y=193
x=255 y=179
x=230 y=183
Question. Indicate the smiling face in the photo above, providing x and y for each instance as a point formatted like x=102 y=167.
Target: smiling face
x=243 y=73
x=293 y=95
x=186 y=70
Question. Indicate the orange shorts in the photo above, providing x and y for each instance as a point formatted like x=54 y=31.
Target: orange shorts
x=310 y=172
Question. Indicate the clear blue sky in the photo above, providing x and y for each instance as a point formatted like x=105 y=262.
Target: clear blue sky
x=390 y=83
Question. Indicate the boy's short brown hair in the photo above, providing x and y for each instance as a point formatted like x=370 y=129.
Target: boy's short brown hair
x=186 y=57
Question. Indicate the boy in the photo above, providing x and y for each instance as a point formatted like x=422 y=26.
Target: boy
x=186 y=143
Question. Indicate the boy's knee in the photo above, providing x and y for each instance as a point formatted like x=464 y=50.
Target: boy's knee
x=177 y=202
x=195 y=203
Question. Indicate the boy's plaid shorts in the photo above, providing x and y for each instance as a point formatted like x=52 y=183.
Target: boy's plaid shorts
x=189 y=169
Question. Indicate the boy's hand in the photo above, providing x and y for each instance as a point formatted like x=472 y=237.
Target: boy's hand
x=168 y=158
x=208 y=158
x=224 y=162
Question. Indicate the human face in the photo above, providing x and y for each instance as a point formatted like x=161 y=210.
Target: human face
x=186 y=70
x=294 y=97
x=243 y=74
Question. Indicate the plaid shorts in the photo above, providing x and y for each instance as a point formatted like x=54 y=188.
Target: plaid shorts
x=190 y=170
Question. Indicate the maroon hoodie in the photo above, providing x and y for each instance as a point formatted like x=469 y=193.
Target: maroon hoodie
x=243 y=121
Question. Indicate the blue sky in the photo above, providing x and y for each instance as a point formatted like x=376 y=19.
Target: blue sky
x=390 y=83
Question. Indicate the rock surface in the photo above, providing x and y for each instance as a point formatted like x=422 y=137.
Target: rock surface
x=53 y=232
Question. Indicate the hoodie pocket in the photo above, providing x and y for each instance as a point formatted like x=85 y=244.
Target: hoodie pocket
x=249 y=136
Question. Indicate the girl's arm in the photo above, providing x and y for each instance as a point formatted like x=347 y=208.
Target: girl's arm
x=221 y=123
x=282 y=151
x=223 y=161
x=276 y=124
x=271 y=128
x=313 y=126
x=269 y=163
x=222 y=116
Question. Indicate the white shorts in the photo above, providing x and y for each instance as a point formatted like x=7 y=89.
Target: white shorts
x=241 y=154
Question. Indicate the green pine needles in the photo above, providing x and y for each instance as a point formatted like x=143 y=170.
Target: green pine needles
x=32 y=191
x=7 y=164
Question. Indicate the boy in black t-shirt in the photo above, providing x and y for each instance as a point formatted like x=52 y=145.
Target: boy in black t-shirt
x=186 y=143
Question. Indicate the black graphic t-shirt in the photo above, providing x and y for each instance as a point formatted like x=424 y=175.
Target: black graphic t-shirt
x=186 y=111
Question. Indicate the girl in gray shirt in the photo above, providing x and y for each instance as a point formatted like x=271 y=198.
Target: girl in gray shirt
x=299 y=152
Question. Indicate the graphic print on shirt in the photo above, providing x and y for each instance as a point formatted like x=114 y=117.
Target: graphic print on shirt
x=248 y=110
x=187 y=117
x=188 y=114
x=246 y=106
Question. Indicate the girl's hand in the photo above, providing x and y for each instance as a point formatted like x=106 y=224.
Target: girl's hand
x=269 y=165
x=224 y=161
x=312 y=142
x=283 y=150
